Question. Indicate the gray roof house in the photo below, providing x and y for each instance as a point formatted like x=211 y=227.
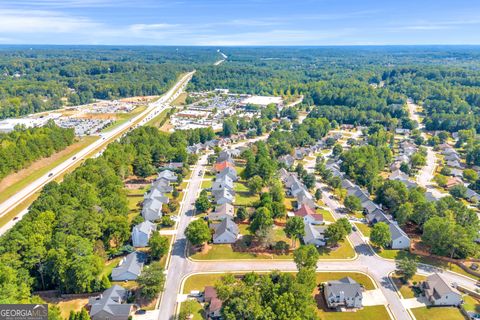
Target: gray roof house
x=222 y=212
x=224 y=155
x=454 y=164
x=110 y=305
x=162 y=186
x=398 y=175
x=152 y=209
x=221 y=183
x=369 y=206
x=223 y=196
x=141 y=233
x=359 y=193
x=345 y=292
x=376 y=216
x=452 y=157
x=440 y=293
x=305 y=198
x=168 y=175
x=472 y=195
x=347 y=184
x=225 y=232
x=129 y=267
x=400 y=239
x=287 y=159
x=228 y=172
x=314 y=234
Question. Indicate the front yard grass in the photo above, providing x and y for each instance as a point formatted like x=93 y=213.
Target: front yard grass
x=196 y=309
x=471 y=304
x=206 y=184
x=365 y=229
x=437 y=313
x=243 y=196
x=404 y=288
x=367 y=313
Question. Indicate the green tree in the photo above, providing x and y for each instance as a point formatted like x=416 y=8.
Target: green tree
x=158 y=246
x=458 y=191
x=380 y=235
x=255 y=184
x=202 y=204
x=335 y=233
x=151 y=280
x=262 y=222
x=406 y=268
x=352 y=203
x=470 y=175
x=294 y=229
x=306 y=256
x=197 y=232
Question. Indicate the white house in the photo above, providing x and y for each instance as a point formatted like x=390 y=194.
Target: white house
x=440 y=293
x=400 y=239
x=141 y=233
x=314 y=235
x=225 y=232
x=130 y=267
x=345 y=292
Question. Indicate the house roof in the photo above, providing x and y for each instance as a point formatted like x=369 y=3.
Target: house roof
x=132 y=263
x=145 y=227
x=346 y=287
x=168 y=175
x=396 y=231
x=110 y=301
x=227 y=172
x=223 y=182
x=226 y=226
x=398 y=175
x=223 y=193
x=306 y=210
x=437 y=286
x=313 y=232
x=220 y=166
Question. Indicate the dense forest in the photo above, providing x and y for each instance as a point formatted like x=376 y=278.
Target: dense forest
x=22 y=146
x=73 y=226
x=39 y=78
x=361 y=85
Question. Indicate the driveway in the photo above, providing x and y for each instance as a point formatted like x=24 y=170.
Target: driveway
x=373 y=298
x=415 y=302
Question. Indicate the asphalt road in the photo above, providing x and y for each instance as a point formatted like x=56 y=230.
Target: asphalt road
x=152 y=110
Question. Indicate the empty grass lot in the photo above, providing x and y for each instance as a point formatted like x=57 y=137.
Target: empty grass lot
x=367 y=313
x=438 y=313
x=243 y=196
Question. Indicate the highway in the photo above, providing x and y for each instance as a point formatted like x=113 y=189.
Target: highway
x=151 y=111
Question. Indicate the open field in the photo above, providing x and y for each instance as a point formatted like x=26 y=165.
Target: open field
x=14 y=182
x=439 y=313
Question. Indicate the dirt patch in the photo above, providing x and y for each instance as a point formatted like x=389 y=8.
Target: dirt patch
x=103 y=116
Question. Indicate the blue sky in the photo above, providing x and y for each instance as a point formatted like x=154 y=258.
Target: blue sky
x=245 y=22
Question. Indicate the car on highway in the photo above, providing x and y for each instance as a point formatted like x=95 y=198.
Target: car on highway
x=50 y=174
x=16 y=218
x=74 y=158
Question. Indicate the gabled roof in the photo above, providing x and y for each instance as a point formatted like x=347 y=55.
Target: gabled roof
x=396 y=231
x=228 y=172
x=398 y=175
x=168 y=175
x=222 y=182
x=226 y=226
x=437 y=286
x=220 y=166
x=110 y=301
x=223 y=193
x=305 y=210
x=370 y=206
x=313 y=232
x=145 y=227
x=346 y=287
x=132 y=263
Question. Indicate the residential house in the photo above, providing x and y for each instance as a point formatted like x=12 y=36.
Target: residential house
x=141 y=233
x=162 y=186
x=369 y=206
x=456 y=172
x=431 y=197
x=314 y=234
x=309 y=215
x=222 y=212
x=347 y=184
x=174 y=166
x=454 y=164
x=453 y=181
x=288 y=160
x=228 y=172
x=398 y=175
x=222 y=182
x=359 y=193
x=472 y=195
x=376 y=216
x=152 y=209
x=223 y=196
x=402 y=131
x=225 y=232
x=304 y=198
x=452 y=157
x=220 y=166
x=440 y=293
x=168 y=175
x=110 y=305
x=214 y=304
x=129 y=267
x=345 y=292
x=400 y=239
x=224 y=155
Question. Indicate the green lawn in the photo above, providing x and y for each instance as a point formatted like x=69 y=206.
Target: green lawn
x=344 y=251
x=243 y=196
x=109 y=265
x=367 y=313
x=365 y=229
x=405 y=289
x=471 y=304
x=206 y=184
x=438 y=313
x=196 y=309
x=327 y=215
x=158 y=120
x=361 y=278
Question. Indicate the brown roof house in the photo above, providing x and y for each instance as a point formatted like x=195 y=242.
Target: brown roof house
x=214 y=305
